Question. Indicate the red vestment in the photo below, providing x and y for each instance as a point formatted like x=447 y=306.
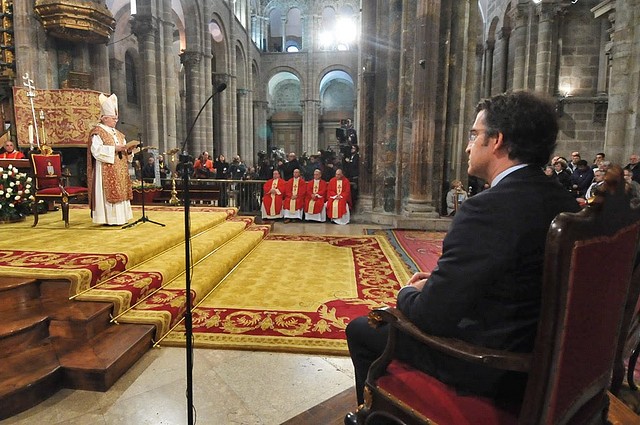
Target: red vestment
x=12 y=155
x=273 y=201
x=294 y=188
x=338 y=196
x=316 y=196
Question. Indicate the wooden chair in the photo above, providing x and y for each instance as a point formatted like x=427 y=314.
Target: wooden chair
x=47 y=169
x=589 y=260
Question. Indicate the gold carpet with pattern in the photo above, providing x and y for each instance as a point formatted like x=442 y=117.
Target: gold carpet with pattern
x=296 y=293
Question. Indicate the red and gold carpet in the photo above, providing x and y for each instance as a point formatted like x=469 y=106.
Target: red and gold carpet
x=296 y=293
x=419 y=249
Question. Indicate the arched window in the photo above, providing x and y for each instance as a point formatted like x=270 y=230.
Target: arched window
x=131 y=79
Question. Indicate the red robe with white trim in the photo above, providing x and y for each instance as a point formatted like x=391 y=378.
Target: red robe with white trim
x=338 y=196
x=316 y=196
x=273 y=201
x=296 y=188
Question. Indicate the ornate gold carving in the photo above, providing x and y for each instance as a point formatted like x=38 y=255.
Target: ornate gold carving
x=77 y=20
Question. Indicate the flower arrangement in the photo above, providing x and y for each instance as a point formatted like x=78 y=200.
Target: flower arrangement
x=16 y=194
x=137 y=185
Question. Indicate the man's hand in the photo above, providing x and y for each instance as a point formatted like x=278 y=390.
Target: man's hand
x=418 y=280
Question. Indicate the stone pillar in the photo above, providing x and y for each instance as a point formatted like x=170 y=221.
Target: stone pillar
x=520 y=17
x=145 y=29
x=488 y=66
x=242 y=95
x=622 y=130
x=99 y=61
x=118 y=84
x=503 y=77
x=425 y=83
x=191 y=61
x=479 y=60
x=284 y=33
x=259 y=129
x=366 y=98
x=169 y=138
x=546 y=53
x=310 y=113
x=387 y=157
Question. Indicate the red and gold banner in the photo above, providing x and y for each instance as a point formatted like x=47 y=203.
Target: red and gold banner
x=69 y=115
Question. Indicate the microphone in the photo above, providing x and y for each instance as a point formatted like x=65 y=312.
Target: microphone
x=219 y=89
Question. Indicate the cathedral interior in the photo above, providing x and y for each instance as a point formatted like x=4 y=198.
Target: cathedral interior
x=407 y=75
x=242 y=77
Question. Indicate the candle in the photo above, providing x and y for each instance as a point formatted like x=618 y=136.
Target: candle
x=31 y=135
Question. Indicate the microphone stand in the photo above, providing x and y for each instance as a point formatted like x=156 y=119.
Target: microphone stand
x=144 y=218
x=185 y=165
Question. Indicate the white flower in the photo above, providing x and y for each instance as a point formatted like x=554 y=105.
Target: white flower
x=32 y=198
x=19 y=192
x=27 y=191
x=9 y=190
x=28 y=186
x=29 y=179
x=17 y=198
x=1 y=169
x=5 y=176
x=1 y=192
x=12 y=184
x=11 y=205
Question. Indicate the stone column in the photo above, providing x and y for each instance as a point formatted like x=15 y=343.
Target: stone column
x=169 y=138
x=242 y=96
x=259 y=128
x=191 y=61
x=520 y=17
x=310 y=114
x=99 y=60
x=284 y=33
x=425 y=83
x=503 y=76
x=545 y=58
x=479 y=60
x=488 y=66
x=623 y=116
x=145 y=29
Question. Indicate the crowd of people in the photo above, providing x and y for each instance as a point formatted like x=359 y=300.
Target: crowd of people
x=576 y=176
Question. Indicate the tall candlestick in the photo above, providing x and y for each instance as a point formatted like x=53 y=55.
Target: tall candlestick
x=31 y=135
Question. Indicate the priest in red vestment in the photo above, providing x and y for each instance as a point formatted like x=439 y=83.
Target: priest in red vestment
x=273 y=197
x=316 y=198
x=339 y=199
x=10 y=151
x=294 y=191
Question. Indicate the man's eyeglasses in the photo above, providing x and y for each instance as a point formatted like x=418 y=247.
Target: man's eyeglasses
x=473 y=135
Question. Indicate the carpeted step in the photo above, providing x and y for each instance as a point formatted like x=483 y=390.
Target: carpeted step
x=99 y=362
x=165 y=308
x=128 y=288
x=27 y=377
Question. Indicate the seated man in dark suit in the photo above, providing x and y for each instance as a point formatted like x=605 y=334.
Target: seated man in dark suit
x=486 y=286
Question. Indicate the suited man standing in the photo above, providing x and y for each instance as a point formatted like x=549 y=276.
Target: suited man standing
x=486 y=286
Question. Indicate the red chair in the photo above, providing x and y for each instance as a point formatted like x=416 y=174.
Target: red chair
x=589 y=261
x=47 y=169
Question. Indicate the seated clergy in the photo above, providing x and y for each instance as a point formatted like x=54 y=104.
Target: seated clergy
x=316 y=198
x=339 y=198
x=294 y=190
x=273 y=197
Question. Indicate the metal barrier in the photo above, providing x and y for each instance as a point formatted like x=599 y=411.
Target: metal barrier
x=246 y=195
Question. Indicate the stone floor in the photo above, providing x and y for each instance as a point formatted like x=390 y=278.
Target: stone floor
x=229 y=387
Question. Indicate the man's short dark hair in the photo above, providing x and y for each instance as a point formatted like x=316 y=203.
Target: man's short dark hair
x=528 y=124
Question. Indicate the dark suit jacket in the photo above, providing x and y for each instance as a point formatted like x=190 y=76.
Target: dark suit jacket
x=486 y=286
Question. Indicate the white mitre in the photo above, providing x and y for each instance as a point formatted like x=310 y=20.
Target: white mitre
x=108 y=105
